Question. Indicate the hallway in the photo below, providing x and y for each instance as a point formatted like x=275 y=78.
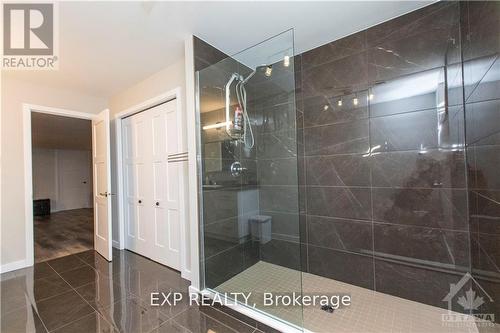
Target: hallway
x=63 y=233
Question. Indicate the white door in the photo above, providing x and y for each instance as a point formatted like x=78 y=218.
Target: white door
x=137 y=182
x=152 y=184
x=166 y=174
x=102 y=184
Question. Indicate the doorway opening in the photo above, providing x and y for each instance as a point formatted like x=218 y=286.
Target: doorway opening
x=63 y=215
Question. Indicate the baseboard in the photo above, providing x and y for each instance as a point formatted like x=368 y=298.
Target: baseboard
x=116 y=244
x=12 y=266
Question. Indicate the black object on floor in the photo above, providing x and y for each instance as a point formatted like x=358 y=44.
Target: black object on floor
x=41 y=207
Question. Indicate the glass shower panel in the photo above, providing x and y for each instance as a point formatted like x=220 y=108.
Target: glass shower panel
x=248 y=175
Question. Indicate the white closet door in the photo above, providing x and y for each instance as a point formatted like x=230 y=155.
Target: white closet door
x=152 y=184
x=166 y=227
x=137 y=186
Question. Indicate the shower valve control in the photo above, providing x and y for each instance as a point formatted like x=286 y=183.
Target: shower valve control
x=236 y=169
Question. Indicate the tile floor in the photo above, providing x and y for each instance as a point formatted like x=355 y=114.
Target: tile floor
x=370 y=311
x=63 y=233
x=85 y=293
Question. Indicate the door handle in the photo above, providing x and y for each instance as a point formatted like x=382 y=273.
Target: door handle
x=106 y=194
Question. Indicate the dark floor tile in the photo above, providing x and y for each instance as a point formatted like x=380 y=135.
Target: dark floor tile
x=93 y=323
x=67 y=263
x=132 y=316
x=347 y=267
x=81 y=276
x=171 y=326
x=25 y=320
x=102 y=292
x=48 y=287
x=13 y=295
x=197 y=321
x=37 y=271
x=63 y=309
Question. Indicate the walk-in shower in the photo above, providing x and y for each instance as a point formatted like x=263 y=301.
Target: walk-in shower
x=366 y=167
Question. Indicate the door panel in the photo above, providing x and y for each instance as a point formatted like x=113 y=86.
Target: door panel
x=102 y=184
x=155 y=182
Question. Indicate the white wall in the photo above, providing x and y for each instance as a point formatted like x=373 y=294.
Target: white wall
x=14 y=94
x=165 y=80
x=58 y=175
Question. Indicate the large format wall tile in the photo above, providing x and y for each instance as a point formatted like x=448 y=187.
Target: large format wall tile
x=282 y=199
x=419 y=284
x=283 y=253
x=481 y=23
x=483 y=84
x=219 y=205
x=343 y=266
x=340 y=234
x=482 y=120
x=425 y=20
x=338 y=49
x=345 y=202
x=338 y=170
x=435 y=168
x=409 y=131
x=279 y=171
x=276 y=144
x=422 y=245
x=344 y=138
x=325 y=110
x=334 y=78
x=436 y=208
x=484 y=163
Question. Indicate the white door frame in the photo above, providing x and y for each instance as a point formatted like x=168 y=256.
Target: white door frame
x=162 y=98
x=28 y=168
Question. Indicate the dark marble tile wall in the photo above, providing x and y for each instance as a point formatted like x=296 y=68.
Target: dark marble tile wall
x=481 y=48
x=227 y=249
x=383 y=175
x=273 y=114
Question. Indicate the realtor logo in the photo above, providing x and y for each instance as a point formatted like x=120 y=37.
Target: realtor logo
x=471 y=302
x=29 y=36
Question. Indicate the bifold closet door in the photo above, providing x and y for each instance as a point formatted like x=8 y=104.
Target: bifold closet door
x=152 y=184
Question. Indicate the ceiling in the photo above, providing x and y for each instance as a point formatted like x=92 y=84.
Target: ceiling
x=57 y=132
x=105 y=47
